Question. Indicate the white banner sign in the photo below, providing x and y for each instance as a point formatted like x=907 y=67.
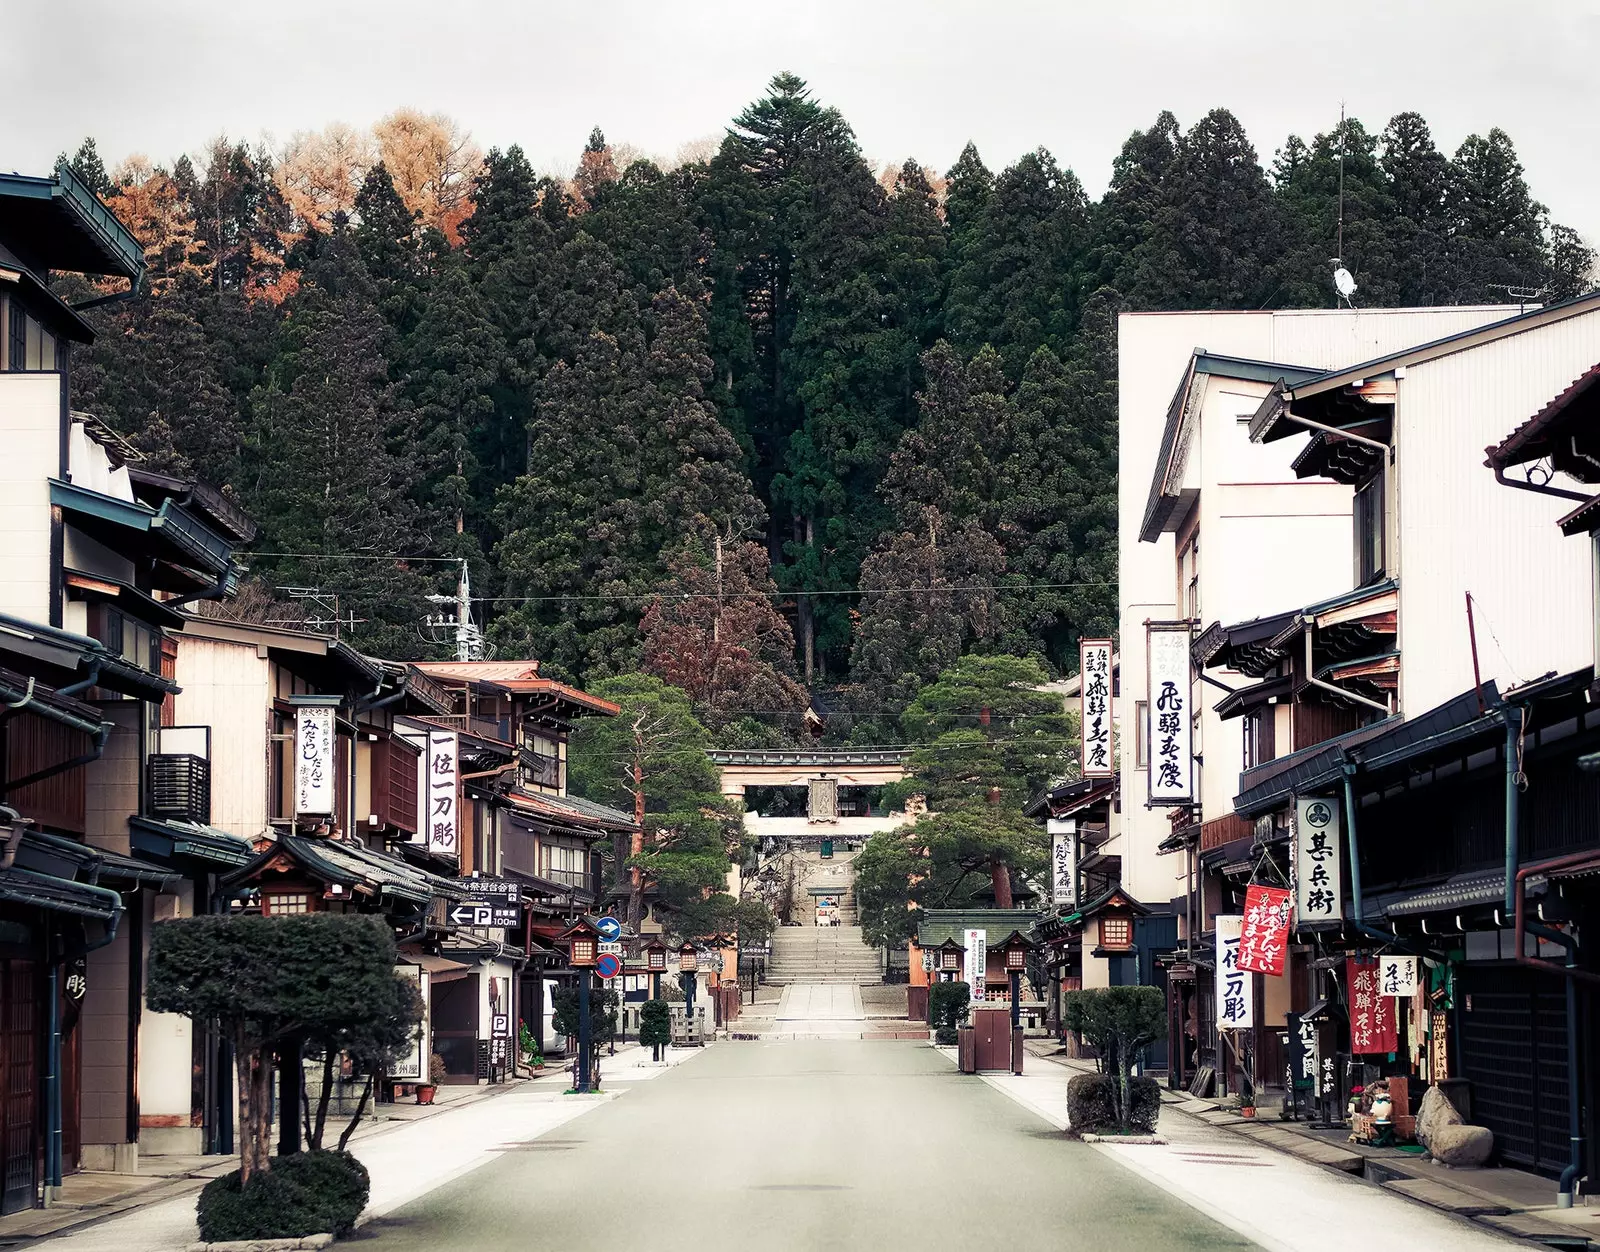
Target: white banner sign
x=1063 y=862
x=1094 y=707
x=977 y=957
x=1171 y=754
x=1397 y=976
x=313 y=762
x=440 y=819
x=1236 y=993
x=408 y=1064
x=1317 y=884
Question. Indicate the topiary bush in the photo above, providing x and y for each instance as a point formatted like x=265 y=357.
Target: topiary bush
x=948 y=1003
x=309 y=1193
x=1092 y=1105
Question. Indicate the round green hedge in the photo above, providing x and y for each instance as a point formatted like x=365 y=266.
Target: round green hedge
x=309 y=1193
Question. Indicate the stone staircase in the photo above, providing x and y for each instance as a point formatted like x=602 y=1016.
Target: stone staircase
x=826 y=954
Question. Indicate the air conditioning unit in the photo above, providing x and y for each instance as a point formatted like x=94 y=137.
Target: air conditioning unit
x=179 y=787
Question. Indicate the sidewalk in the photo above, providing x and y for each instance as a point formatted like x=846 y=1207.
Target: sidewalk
x=409 y=1152
x=1313 y=1188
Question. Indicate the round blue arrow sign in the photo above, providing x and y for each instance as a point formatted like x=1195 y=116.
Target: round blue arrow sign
x=610 y=929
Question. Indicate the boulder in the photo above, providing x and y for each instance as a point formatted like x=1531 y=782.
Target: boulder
x=1447 y=1138
x=1462 y=1145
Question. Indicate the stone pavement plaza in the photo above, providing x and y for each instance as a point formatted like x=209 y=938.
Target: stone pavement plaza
x=817 y=1144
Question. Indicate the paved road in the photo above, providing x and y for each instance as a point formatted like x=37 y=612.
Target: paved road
x=806 y=1145
x=820 y=1002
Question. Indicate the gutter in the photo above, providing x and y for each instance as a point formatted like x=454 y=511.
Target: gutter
x=1543 y=489
x=1314 y=681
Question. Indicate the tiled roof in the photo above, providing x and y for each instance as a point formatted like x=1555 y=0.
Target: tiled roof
x=937 y=925
x=572 y=809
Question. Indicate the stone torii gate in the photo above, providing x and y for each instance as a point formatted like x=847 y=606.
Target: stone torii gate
x=822 y=772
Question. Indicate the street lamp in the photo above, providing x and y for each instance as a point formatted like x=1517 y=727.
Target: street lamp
x=688 y=967
x=582 y=939
x=655 y=953
x=1016 y=946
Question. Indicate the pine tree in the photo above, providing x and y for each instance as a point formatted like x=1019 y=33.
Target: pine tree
x=1124 y=219
x=1496 y=227
x=386 y=234
x=88 y=166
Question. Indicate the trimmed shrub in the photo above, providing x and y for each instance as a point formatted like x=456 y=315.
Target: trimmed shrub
x=947 y=1004
x=1092 y=1105
x=945 y=1036
x=309 y=1193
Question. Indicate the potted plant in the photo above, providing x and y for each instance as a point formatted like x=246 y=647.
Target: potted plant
x=436 y=1073
x=532 y=1055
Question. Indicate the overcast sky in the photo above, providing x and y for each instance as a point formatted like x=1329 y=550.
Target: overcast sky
x=913 y=77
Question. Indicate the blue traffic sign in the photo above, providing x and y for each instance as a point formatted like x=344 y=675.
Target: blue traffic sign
x=608 y=966
x=610 y=929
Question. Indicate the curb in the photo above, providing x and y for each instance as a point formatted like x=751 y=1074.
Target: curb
x=264 y=1245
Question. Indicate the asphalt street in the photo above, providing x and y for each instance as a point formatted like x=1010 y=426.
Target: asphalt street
x=807 y=1145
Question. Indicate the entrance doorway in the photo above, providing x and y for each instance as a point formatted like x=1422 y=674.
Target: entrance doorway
x=455 y=1025
x=19 y=1038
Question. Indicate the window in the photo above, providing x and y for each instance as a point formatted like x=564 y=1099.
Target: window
x=29 y=345
x=566 y=865
x=1259 y=733
x=17 y=351
x=1369 y=518
x=1116 y=932
x=544 y=763
x=1141 y=739
x=285 y=903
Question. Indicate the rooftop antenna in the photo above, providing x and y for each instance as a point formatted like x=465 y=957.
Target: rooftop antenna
x=1343 y=283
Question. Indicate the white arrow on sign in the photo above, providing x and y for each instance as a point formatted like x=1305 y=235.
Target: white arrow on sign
x=471 y=914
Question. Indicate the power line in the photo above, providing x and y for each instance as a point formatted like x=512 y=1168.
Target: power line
x=353 y=556
x=996 y=588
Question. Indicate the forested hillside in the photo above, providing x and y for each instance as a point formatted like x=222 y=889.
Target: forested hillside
x=771 y=417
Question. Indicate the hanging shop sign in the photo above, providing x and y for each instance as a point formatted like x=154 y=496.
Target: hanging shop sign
x=1318 y=885
x=1171 y=749
x=1302 y=1049
x=1372 y=1016
x=977 y=956
x=1063 y=862
x=1264 y=937
x=1094 y=708
x=1438 y=1046
x=441 y=796
x=1236 y=999
x=1397 y=976
x=313 y=761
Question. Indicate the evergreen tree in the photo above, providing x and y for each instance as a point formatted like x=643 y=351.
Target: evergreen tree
x=1497 y=240
x=1418 y=178
x=386 y=234
x=323 y=479
x=1124 y=218
x=88 y=166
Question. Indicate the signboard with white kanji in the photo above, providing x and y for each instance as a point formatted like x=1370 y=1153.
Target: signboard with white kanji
x=1264 y=937
x=977 y=957
x=1063 y=862
x=1372 y=1016
x=313 y=761
x=1171 y=755
x=440 y=818
x=1397 y=976
x=1302 y=1048
x=1094 y=708
x=1236 y=993
x=1318 y=884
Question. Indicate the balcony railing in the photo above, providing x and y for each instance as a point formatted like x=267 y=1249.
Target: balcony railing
x=539 y=770
x=179 y=787
x=578 y=878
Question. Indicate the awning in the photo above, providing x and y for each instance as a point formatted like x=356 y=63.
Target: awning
x=189 y=841
x=440 y=969
x=67 y=858
x=1322 y=1010
x=1459 y=892
x=1248 y=699
x=354 y=865
x=60 y=895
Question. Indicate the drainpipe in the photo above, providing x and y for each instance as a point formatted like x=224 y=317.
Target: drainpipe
x=101 y=736
x=1570 y=972
x=84 y=684
x=1538 y=488
x=1515 y=718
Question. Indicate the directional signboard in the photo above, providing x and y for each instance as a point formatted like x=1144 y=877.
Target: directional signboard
x=613 y=948
x=610 y=929
x=489 y=902
x=609 y=965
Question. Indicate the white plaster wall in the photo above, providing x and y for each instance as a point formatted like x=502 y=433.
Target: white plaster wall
x=1153 y=352
x=225 y=687
x=30 y=455
x=166 y=1056
x=1460 y=531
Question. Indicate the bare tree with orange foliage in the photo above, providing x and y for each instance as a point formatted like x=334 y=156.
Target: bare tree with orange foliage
x=320 y=173
x=155 y=209
x=432 y=162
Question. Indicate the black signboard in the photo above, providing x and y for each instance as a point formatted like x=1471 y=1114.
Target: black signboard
x=489 y=902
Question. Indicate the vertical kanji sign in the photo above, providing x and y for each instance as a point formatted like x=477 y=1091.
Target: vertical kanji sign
x=1236 y=992
x=1372 y=1015
x=1264 y=937
x=313 y=761
x=1094 y=707
x=1171 y=755
x=1063 y=862
x=1318 y=886
x=976 y=959
x=441 y=818
x=1397 y=976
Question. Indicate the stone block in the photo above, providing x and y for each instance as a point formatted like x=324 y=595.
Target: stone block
x=1462 y=1145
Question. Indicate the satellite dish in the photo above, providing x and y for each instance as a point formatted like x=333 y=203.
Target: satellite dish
x=1343 y=283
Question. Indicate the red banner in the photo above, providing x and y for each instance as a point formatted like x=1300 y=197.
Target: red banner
x=1264 y=936
x=1372 y=1016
